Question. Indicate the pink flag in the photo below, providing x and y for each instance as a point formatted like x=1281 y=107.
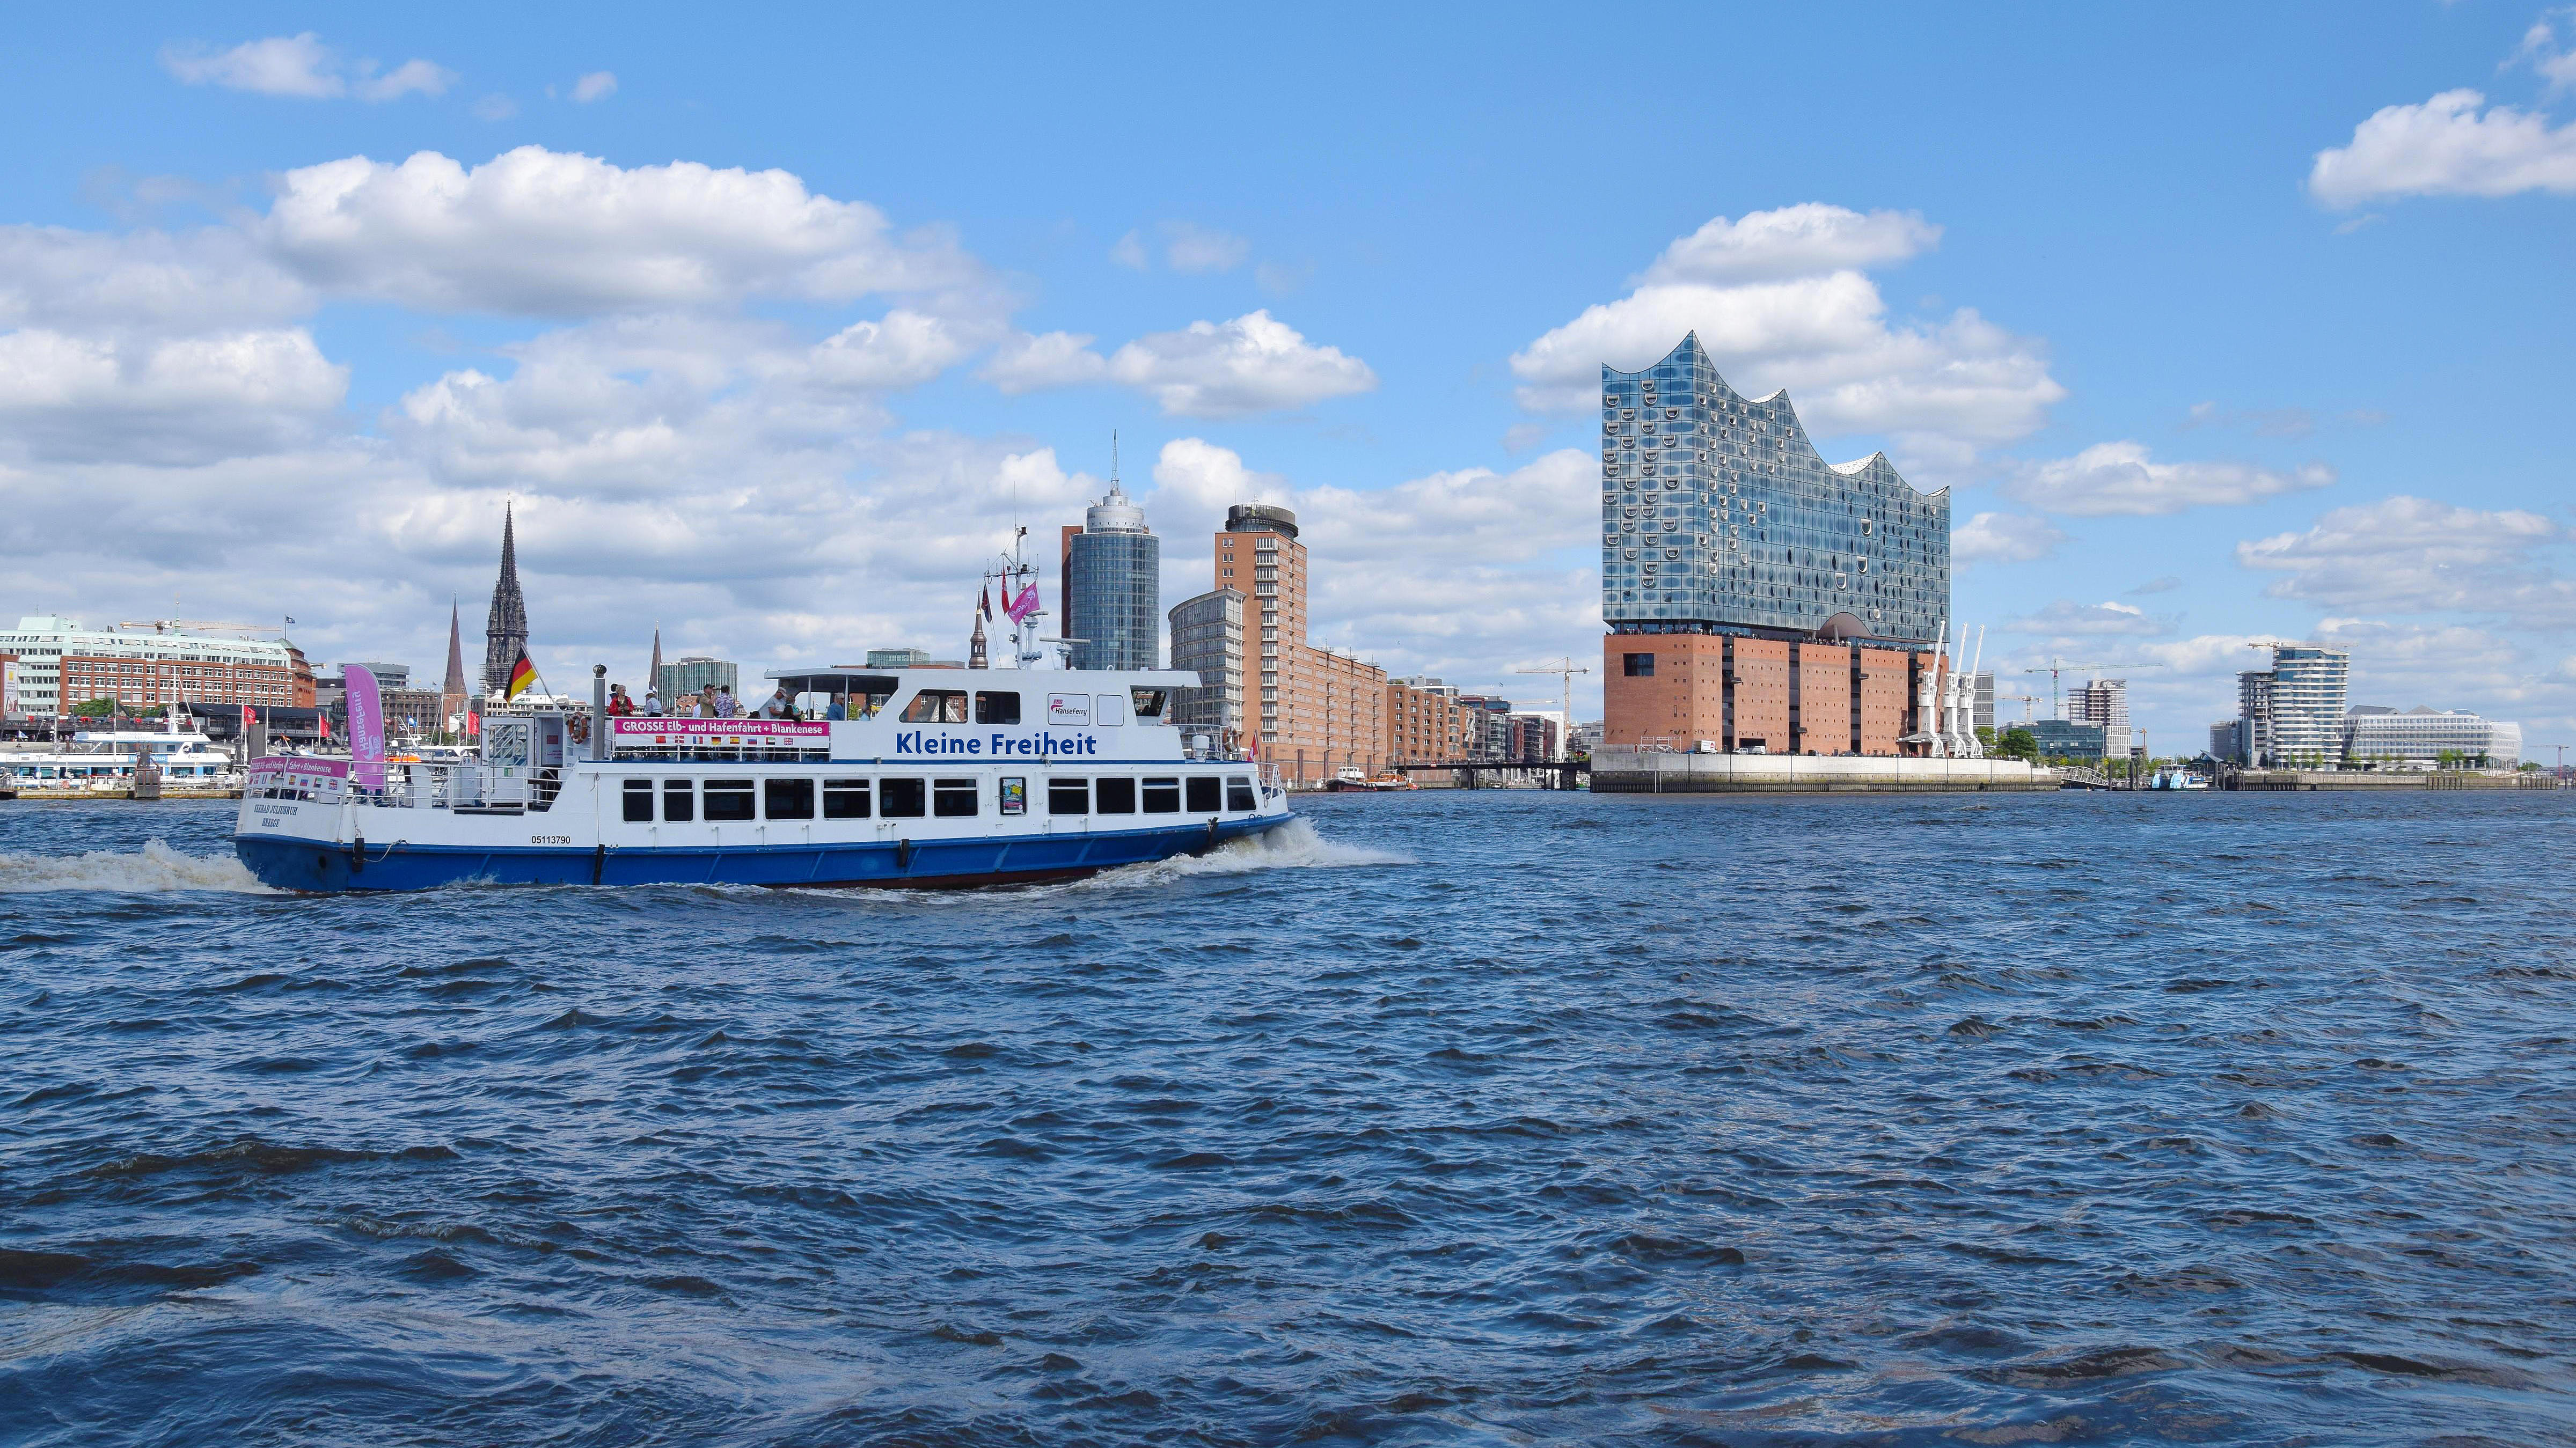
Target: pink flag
x=366 y=728
x=1024 y=605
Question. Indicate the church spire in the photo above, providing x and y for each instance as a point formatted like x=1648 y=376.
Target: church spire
x=451 y=696
x=506 y=632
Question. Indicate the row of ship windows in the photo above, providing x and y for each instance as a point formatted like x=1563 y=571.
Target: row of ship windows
x=684 y=801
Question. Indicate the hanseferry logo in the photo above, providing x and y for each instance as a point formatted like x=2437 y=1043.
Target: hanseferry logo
x=916 y=743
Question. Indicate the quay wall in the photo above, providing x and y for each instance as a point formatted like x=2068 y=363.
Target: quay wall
x=2308 y=779
x=1623 y=771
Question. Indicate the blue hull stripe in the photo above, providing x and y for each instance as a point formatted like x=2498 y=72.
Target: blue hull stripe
x=306 y=865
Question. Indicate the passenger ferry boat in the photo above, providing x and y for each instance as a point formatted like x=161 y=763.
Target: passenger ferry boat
x=937 y=777
x=104 y=759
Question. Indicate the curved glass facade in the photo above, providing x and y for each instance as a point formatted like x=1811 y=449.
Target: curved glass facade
x=1114 y=582
x=1718 y=515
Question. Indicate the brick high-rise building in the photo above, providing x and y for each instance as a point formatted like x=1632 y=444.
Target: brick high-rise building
x=1312 y=712
x=1756 y=595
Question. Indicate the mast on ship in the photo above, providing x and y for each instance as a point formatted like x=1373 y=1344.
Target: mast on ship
x=1018 y=580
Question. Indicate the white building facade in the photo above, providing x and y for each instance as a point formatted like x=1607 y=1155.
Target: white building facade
x=60 y=664
x=2424 y=738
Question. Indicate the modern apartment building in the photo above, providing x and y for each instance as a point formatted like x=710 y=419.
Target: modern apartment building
x=1426 y=721
x=1112 y=587
x=2103 y=703
x=2307 y=693
x=1208 y=637
x=60 y=664
x=1756 y=595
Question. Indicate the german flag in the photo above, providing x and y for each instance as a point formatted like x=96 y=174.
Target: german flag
x=523 y=675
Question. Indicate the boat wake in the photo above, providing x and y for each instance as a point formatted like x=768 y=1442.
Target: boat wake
x=1292 y=846
x=156 y=870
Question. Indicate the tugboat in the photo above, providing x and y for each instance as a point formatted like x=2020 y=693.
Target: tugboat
x=933 y=777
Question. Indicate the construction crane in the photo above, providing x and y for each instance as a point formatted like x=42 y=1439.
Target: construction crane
x=2056 y=666
x=2027 y=702
x=1565 y=669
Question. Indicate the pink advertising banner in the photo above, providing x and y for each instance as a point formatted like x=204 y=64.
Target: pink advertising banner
x=366 y=728
x=726 y=730
x=297 y=771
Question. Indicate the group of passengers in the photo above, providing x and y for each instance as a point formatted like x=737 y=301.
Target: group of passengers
x=716 y=701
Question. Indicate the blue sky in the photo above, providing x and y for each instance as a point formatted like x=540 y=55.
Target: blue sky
x=2191 y=385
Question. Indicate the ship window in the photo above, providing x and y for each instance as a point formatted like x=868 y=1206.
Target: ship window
x=729 y=799
x=952 y=798
x=1117 y=796
x=1068 y=796
x=639 y=801
x=1206 y=792
x=1149 y=703
x=936 y=706
x=1162 y=796
x=901 y=799
x=845 y=799
x=994 y=708
x=1238 y=794
x=787 y=799
x=679 y=801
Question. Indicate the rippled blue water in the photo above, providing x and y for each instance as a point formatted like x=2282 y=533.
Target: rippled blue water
x=1466 y=1118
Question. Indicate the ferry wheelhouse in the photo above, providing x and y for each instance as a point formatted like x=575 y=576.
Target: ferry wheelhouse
x=936 y=777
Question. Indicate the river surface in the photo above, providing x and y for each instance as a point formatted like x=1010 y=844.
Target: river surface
x=1456 y=1118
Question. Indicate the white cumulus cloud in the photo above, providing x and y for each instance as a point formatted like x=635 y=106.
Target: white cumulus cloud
x=2003 y=538
x=302 y=67
x=2118 y=479
x=1793 y=241
x=2415 y=555
x=179 y=401
x=2065 y=618
x=412 y=77
x=1777 y=301
x=1026 y=363
x=546 y=233
x=2451 y=145
x=1254 y=363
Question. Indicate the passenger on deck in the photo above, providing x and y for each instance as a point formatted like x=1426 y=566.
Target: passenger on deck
x=778 y=705
x=837 y=710
x=706 y=707
x=653 y=701
x=727 y=706
x=620 y=703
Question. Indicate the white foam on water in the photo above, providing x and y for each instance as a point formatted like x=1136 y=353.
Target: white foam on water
x=157 y=869
x=1292 y=846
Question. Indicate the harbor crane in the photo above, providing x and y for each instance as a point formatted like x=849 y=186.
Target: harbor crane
x=2059 y=665
x=1565 y=669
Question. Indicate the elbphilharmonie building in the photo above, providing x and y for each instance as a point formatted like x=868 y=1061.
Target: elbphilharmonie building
x=1756 y=595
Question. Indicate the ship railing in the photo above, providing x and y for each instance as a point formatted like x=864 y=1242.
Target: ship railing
x=422 y=784
x=802 y=750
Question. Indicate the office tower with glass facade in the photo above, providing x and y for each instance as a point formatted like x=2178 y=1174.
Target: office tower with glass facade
x=1113 y=587
x=1757 y=596
x=691 y=674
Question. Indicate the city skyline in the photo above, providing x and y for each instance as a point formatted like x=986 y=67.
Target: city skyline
x=282 y=336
